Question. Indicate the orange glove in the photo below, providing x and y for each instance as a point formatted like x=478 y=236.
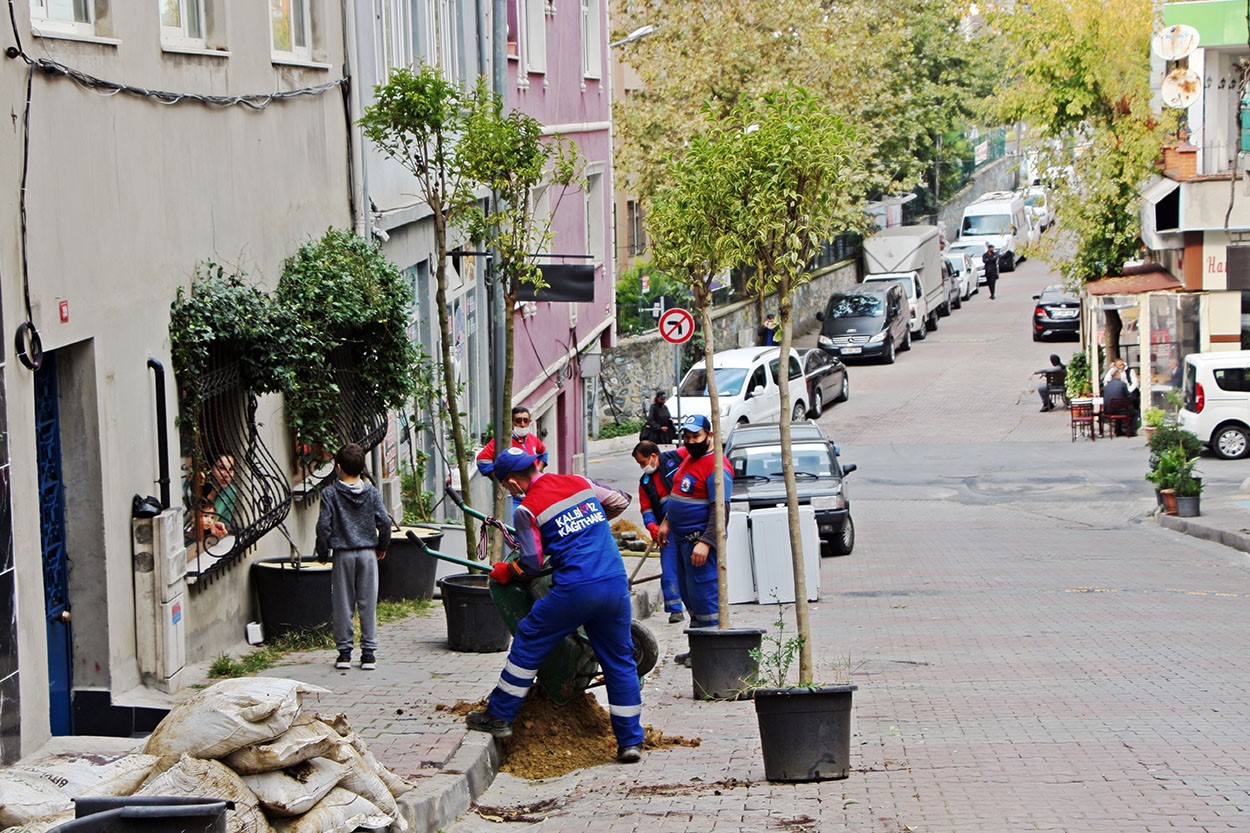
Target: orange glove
x=654 y=529
x=502 y=572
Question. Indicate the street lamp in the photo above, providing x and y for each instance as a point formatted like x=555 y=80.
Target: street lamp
x=637 y=34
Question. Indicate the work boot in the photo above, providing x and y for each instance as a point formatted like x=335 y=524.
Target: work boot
x=486 y=722
x=368 y=662
x=683 y=659
x=344 y=661
x=676 y=616
x=629 y=754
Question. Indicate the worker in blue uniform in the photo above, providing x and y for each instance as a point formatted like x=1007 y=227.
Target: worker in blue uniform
x=658 y=468
x=690 y=518
x=563 y=524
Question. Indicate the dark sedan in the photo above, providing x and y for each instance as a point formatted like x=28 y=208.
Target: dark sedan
x=1057 y=312
x=827 y=380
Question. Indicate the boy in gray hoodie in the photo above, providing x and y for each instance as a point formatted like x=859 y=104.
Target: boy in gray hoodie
x=355 y=525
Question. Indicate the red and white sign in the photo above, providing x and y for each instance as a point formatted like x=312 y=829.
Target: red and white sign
x=676 y=325
x=63 y=306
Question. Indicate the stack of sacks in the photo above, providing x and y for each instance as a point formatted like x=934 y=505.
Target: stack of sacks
x=248 y=741
x=38 y=795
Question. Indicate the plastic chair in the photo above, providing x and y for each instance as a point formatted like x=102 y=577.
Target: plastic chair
x=1082 y=416
x=1118 y=414
x=1057 y=388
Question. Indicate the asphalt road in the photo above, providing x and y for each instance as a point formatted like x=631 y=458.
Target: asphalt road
x=1032 y=652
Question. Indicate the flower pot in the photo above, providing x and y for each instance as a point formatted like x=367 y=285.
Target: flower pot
x=1187 y=507
x=474 y=625
x=1169 y=500
x=292 y=599
x=721 y=663
x=408 y=573
x=805 y=733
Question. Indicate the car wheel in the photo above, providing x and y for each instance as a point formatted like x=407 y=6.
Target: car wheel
x=646 y=649
x=818 y=403
x=932 y=323
x=959 y=301
x=1037 y=336
x=845 y=393
x=906 y=345
x=921 y=334
x=945 y=309
x=798 y=411
x=844 y=542
x=888 y=356
x=1230 y=442
x=1009 y=265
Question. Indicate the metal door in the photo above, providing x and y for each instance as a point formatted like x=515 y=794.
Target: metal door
x=52 y=539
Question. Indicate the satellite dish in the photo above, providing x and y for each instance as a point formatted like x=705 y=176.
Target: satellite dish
x=1175 y=42
x=1181 y=88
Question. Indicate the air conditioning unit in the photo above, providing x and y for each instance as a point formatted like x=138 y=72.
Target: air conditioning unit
x=393 y=497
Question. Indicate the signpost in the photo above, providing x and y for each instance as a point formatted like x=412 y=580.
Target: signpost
x=677 y=327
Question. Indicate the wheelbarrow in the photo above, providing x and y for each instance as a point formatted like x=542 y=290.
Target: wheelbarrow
x=572 y=666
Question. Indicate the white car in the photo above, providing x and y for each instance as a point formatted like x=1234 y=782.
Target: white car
x=974 y=249
x=746 y=385
x=1217 y=401
x=965 y=272
x=1038 y=204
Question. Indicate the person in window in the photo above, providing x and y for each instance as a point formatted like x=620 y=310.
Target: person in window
x=213 y=500
x=522 y=438
x=660 y=428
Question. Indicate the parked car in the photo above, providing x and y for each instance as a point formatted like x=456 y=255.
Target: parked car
x=869 y=320
x=1216 y=407
x=746 y=384
x=1038 y=205
x=754 y=451
x=960 y=264
x=827 y=380
x=974 y=249
x=1000 y=218
x=1057 y=312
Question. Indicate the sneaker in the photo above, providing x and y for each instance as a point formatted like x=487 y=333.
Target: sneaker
x=676 y=616
x=485 y=722
x=368 y=662
x=629 y=754
x=344 y=661
x=683 y=659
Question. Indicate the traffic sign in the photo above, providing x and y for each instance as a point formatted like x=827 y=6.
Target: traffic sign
x=676 y=325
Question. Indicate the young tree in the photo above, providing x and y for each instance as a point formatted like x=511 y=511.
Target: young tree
x=415 y=119
x=803 y=179
x=1080 y=72
x=507 y=154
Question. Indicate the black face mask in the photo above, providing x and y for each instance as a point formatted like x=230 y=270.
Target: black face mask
x=697 y=450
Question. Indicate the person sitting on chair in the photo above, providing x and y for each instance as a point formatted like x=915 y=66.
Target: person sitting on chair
x=1115 y=397
x=1056 y=369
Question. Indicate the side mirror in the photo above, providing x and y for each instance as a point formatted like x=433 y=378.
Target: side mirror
x=1037 y=297
x=820 y=316
x=848 y=468
x=758 y=390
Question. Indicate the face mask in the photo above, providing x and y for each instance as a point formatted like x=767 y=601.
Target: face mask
x=649 y=469
x=697 y=450
x=520 y=431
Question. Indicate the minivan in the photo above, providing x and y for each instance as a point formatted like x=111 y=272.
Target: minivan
x=746 y=387
x=1216 y=405
x=866 y=321
x=999 y=218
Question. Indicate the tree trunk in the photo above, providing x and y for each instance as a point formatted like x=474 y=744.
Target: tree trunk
x=449 y=373
x=503 y=433
x=760 y=312
x=1114 y=326
x=784 y=309
x=702 y=298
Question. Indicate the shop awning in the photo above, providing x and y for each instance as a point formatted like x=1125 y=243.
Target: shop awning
x=1160 y=215
x=1150 y=277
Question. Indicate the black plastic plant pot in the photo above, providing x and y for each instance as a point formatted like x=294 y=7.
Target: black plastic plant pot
x=407 y=573
x=290 y=599
x=721 y=663
x=474 y=625
x=805 y=732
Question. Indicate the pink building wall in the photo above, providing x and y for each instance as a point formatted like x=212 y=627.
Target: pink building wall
x=550 y=337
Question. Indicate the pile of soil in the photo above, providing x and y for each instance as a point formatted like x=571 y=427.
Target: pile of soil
x=549 y=740
x=623 y=525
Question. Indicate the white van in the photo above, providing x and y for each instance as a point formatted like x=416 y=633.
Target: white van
x=1217 y=401
x=999 y=218
x=746 y=386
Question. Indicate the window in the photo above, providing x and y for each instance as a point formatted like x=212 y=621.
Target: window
x=395 y=36
x=592 y=39
x=447 y=23
x=594 y=218
x=1233 y=378
x=66 y=16
x=289 y=28
x=636 y=234
x=534 y=39
x=182 y=22
x=758 y=380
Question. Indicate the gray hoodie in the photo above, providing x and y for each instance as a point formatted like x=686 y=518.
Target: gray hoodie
x=352 y=518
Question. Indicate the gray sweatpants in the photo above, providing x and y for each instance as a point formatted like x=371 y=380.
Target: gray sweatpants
x=354 y=588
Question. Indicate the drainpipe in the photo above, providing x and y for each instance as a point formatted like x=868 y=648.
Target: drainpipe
x=162 y=431
x=357 y=176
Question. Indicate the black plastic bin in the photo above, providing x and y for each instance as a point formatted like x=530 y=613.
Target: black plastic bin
x=473 y=622
x=147 y=814
x=291 y=599
x=407 y=573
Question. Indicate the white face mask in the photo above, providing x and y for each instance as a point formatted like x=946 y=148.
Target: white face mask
x=520 y=431
x=649 y=469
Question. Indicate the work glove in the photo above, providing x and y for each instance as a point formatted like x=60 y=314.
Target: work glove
x=323 y=557
x=654 y=529
x=502 y=572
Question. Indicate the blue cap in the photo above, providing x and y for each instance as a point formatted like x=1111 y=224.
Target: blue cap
x=694 y=423
x=512 y=461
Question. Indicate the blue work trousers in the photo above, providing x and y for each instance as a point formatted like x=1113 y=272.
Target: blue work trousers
x=669 y=584
x=604 y=609
x=698 y=586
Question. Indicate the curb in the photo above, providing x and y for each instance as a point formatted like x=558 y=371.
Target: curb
x=1189 y=526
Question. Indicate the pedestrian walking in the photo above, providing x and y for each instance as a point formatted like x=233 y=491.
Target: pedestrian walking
x=658 y=468
x=659 y=427
x=990 y=259
x=690 y=519
x=563 y=523
x=354 y=526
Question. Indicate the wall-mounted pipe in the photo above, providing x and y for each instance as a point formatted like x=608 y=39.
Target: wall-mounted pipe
x=162 y=431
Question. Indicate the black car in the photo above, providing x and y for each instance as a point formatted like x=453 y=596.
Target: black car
x=827 y=380
x=754 y=451
x=1057 y=311
x=868 y=320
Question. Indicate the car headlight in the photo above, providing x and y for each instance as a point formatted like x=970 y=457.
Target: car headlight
x=829 y=502
x=878 y=338
x=911 y=309
x=825 y=341
x=724 y=411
